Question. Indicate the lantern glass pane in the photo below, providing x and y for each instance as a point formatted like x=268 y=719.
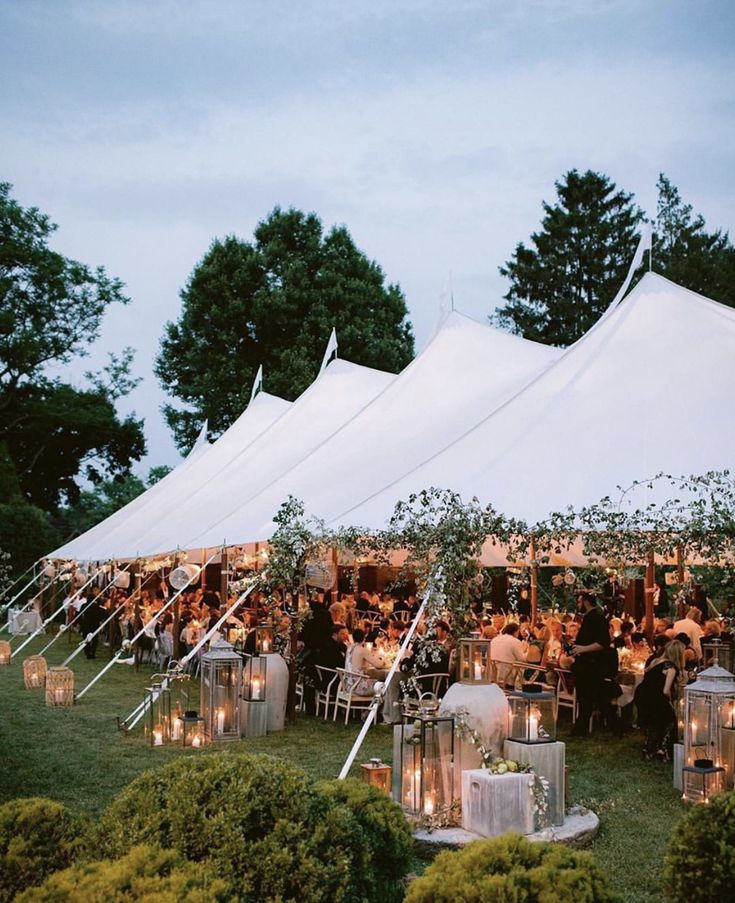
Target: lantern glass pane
x=427 y=764
x=698 y=726
x=701 y=784
x=532 y=717
x=474 y=661
x=264 y=639
x=254 y=677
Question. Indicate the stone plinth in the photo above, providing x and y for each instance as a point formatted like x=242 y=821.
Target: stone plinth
x=494 y=804
x=253 y=717
x=547 y=760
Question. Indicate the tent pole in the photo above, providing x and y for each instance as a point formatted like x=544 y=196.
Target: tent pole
x=534 y=584
x=650 y=583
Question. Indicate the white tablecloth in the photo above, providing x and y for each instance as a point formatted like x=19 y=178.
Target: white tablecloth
x=23 y=622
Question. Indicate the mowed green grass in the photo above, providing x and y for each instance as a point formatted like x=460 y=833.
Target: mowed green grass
x=80 y=757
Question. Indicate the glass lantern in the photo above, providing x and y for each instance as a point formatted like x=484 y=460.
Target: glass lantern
x=220 y=692
x=702 y=781
x=715 y=652
x=158 y=712
x=192 y=730
x=254 y=683
x=532 y=715
x=179 y=685
x=264 y=639
x=423 y=759
x=474 y=662
x=709 y=706
x=376 y=773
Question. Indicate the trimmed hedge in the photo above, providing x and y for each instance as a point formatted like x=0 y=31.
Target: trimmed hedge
x=511 y=869
x=700 y=860
x=145 y=873
x=37 y=837
x=265 y=827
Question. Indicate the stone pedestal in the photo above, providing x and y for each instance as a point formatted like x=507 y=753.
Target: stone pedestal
x=547 y=760
x=487 y=713
x=494 y=804
x=276 y=693
x=678 y=766
x=253 y=717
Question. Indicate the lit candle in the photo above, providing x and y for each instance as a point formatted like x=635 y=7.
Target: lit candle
x=158 y=737
x=533 y=726
x=34 y=680
x=220 y=721
x=478 y=668
x=59 y=697
x=417 y=786
x=732 y=715
x=176 y=729
x=196 y=741
x=256 y=687
x=429 y=804
x=266 y=646
x=694 y=733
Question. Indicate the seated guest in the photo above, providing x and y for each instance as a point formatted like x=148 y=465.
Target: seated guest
x=360 y=660
x=332 y=655
x=400 y=605
x=690 y=626
x=623 y=639
x=506 y=649
x=364 y=602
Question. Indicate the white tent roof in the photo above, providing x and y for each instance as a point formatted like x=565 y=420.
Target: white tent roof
x=648 y=390
x=230 y=478
x=467 y=369
x=156 y=502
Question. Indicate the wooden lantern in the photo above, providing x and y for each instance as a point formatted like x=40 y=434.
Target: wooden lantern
x=34 y=672
x=475 y=666
x=5 y=652
x=376 y=773
x=59 y=686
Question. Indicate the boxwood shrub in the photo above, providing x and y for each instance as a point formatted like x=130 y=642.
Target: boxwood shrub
x=510 y=868
x=700 y=860
x=145 y=873
x=37 y=837
x=265 y=827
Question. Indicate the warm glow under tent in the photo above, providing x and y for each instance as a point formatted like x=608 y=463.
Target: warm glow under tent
x=649 y=389
x=466 y=369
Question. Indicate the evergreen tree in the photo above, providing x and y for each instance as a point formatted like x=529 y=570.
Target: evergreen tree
x=575 y=264
x=686 y=253
x=274 y=301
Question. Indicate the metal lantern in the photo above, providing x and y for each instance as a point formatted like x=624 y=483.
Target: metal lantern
x=264 y=639
x=474 y=662
x=179 y=685
x=220 y=692
x=34 y=672
x=423 y=759
x=715 y=652
x=158 y=712
x=532 y=715
x=253 y=686
x=59 y=686
x=5 y=652
x=702 y=781
x=710 y=707
x=727 y=744
x=193 y=735
x=376 y=773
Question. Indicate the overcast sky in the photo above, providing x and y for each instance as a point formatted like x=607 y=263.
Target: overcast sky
x=433 y=130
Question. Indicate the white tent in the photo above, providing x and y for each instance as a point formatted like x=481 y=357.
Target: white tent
x=157 y=501
x=233 y=476
x=648 y=390
x=467 y=369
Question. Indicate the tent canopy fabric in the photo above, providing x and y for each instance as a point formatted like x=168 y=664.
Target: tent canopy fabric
x=467 y=367
x=647 y=390
x=156 y=502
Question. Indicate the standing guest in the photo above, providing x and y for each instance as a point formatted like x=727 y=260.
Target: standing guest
x=654 y=699
x=690 y=626
x=334 y=653
x=92 y=618
x=595 y=664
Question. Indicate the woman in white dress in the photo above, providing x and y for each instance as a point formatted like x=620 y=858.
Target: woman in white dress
x=360 y=659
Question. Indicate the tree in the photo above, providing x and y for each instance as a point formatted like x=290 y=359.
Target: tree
x=51 y=308
x=274 y=301
x=686 y=253
x=576 y=263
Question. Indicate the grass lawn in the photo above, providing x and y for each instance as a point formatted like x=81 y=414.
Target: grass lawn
x=78 y=756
